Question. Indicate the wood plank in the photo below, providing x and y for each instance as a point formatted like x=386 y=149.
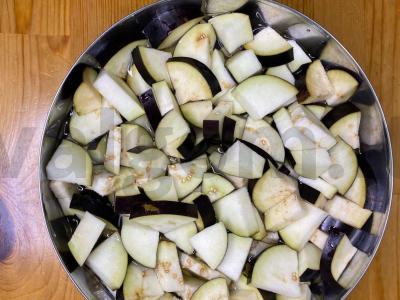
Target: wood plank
x=39 y=40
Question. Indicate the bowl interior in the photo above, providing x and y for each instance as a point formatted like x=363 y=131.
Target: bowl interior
x=375 y=143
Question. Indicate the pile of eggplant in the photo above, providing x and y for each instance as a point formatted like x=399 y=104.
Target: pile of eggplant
x=216 y=160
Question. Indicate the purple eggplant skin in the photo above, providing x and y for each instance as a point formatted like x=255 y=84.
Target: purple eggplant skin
x=308 y=193
x=97 y=205
x=206 y=210
x=204 y=71
x=93 y=144
x=151 y=108
x=191 y=151
x=164 y=21
x=124 y=205
x=276 y=60
x=163 y=208
x=310 y=275
x=253 y=10
x=141 y=67
x=64 y=228
x=331 y=287
x=211 y=130
x=339 y=112
x=228 y=131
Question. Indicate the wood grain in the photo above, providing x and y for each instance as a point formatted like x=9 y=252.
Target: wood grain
x=39 y=40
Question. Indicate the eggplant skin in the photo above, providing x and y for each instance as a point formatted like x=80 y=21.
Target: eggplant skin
x=203 y=70
x=150 y=107
x=163 y=208
x=206 y=210
x=339 y=112
x=277 y=59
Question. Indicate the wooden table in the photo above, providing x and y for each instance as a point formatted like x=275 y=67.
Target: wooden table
x=39 y=40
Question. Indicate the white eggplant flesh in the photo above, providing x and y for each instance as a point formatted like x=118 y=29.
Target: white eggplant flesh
x=272 y=188
x=284 y=213
x=358 y=190
x=70 y=163
x=175 y=35
x=264 y=136
x=171 y=127
x=276 y=270
x=216 y=7
x=191 y=284
x=282 y=72
x=215 y=186
x=233 y=30
x=347 y=128
x=347 y=211
x=262 y=232
x=213 y=289
x=226 y=95
x=235 y=256
x=85 y=237
x=241 y=161
x=300 y=57
x=328 y=190
x=136 y=82
x=198 y=267
x=164 y=97
x=64 y=191
x=243 y=65
x=345 y=251
x=218 y=68
x=222 y=109
x=263 y=94
x=312 y=163
x=297 y=234
x=343 y=170
x=197 y=111
x=140 y=242
x=133 y=282
x=151 y=285
x=97 y=155
x=187 y=176
x=210 y=244
x=104 y=183
x=86 y=99
x=237 y=213
x=112 y=158
x=133 y=136
x=86 y=128
x=109 y=261
x=181 y=237
x=319 y=239
x=318 y=84
x=309 y=258
x=305 y=294
x=243 y=285
x=168 y=269
x=344 y=86
x=119 y=95
x=197 y=43
x=161 y=189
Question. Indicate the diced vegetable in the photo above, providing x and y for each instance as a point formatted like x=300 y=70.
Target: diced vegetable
x=181 y=236
x=213 y=289
x=243 y=65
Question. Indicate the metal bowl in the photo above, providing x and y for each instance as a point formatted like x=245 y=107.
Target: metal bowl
x=375 y=139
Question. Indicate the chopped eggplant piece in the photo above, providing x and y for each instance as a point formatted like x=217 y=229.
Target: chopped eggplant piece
x=196 y=112
x=216 y=7
x=187 y=176
x=243 y=285
x=86 y=99
x=133 y=283
x=320 y=185
x=140 y=242
x=98 y=152
x=227 y=96
x=161 y=188
x=239 y=160
x=164 y=97
x=213 y=123
x=358 y=190
x=309 y=258
x=318 y=84
x=151 y=64
x=112 y=158
x=64 y=191
x=213 y=289
x=134 y=136
x=282 y=72
x=347 y=211
x=70 y=163
x=151 y=286
x=86 y=128
x=263 y=94
x=109 y=261
x=237 y=213
x=216 y=186
x=175 y=35
x=119 y=95
x=192 y=80
x=197 y=43
x=319 y=111
x=172 y=127
x=198 y=268
x=235 y=256
x=344 y=86
x=344 y=167
x=272 y=188
x=168 y=270
x=233 y=30
x=298 y=233
x=191 y=284
x=136 y=82
x=243 y=65
x=271 y=48
x=206 y=211
x=85 y=237
x=343 y=254
x=218 y=68
x=181 y=237
x=210 y=244
x=300 y=58
x=120 y=62
x=347 y=128
x=151 y=108
x=319 y=239
x=276 y=270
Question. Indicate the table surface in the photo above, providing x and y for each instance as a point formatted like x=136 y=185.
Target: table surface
x=40 y=40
